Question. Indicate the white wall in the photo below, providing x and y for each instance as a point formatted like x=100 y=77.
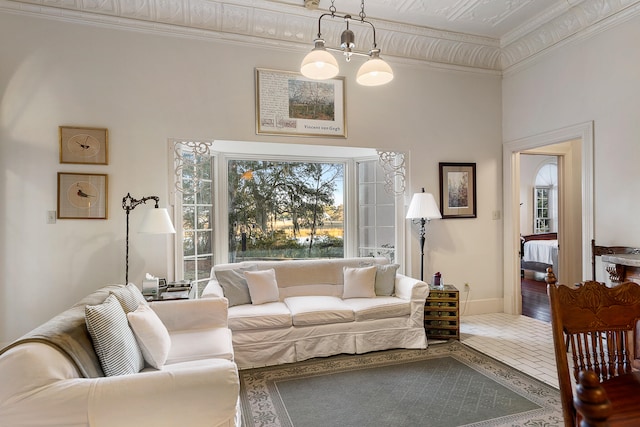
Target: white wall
x=591 y=79
x=146 y=88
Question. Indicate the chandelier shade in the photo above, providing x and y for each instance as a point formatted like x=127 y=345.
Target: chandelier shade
x=319 y=64
x=374 y=72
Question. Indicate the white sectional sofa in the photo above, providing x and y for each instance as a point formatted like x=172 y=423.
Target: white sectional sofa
x=52 y=376
x=318 y=308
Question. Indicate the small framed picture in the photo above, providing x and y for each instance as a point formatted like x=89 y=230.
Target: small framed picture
x=82 y=196
x=458 y=190
x=82 y=145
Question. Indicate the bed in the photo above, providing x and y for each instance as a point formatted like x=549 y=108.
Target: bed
x=538 y=252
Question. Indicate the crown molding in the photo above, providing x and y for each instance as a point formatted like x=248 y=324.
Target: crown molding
x=583 y=19
x=280 y=25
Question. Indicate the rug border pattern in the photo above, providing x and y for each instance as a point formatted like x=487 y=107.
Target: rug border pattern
x=264 y=408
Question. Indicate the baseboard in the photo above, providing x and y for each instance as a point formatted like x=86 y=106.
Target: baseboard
x=481 y=306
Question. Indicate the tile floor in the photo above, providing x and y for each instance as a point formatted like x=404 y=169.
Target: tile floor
x=519 y=341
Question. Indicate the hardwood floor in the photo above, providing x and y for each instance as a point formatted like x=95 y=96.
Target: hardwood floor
x=535 y=302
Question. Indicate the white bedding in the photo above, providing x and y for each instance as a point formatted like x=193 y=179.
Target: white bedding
x=545 y=251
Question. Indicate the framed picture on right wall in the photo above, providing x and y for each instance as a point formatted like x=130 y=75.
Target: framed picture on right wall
x=458 y=190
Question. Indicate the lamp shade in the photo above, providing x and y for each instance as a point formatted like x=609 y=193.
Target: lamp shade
x=374 y=72
x=157 y=221
x=423 y=205
x=319 y=64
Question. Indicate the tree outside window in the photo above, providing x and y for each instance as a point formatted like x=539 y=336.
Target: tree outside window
x=285 y=210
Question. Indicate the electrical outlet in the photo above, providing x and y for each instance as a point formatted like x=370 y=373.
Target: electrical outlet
x=467 y=288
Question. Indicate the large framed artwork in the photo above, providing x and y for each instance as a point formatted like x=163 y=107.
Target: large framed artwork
x=458 y=190
x=82 y=195
x=289 y=104
x=84 y=145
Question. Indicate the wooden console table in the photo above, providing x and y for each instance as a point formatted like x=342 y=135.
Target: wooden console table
x=627 y=267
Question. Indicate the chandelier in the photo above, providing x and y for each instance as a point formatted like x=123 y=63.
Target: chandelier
x=319 y=64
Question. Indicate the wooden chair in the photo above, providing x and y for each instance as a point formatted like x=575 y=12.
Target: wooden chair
x=607 y=250
x=599 y=324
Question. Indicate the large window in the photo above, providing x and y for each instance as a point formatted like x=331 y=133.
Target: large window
x=240 y=201
x=285 y=209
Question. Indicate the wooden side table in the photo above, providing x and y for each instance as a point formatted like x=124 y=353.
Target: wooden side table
x=442 y=313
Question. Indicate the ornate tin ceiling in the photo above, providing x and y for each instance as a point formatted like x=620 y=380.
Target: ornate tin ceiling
x=486 y=35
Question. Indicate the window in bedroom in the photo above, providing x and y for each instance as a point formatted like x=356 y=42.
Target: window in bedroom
x=545 y=199
x=542 y=221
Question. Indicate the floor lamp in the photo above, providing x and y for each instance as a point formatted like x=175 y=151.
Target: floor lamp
x=423 y=208
x=155 y=221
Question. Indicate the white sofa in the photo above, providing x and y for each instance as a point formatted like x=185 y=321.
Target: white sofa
x=310 y=317
x=52 y=376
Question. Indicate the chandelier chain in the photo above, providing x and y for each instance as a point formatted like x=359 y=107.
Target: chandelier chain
x=362 y=14
x=332 y=8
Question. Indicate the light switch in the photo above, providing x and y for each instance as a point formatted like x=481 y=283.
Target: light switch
x=51 y=217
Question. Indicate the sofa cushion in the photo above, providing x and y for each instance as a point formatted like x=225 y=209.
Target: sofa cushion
x=318 y=310
x=151 y=334
x=386 y=279
x=129 y=297
x=262 y=286
x=379 y=308
x=234 y=285
x=264 y=316
x=359 y=282
x=113 y=340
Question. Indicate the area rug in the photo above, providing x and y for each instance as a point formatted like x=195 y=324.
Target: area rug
x=446 y=385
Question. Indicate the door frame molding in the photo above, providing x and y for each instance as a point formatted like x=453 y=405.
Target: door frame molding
x=511 y=202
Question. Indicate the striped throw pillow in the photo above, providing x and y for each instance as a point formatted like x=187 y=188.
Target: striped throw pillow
x=130 y=297
x=113 y=340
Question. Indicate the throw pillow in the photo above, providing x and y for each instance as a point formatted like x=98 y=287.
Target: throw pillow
x=386 y=279
x=262 y=286
x=359 y=282
x=129 y=297
x=234 y=285
x=113 y=340
x=151 y=334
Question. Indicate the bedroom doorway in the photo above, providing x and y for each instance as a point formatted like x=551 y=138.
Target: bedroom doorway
x=574 y=147
x=539 y=221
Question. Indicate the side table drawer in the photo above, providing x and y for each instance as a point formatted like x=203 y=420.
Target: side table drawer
x=441 y=323
x=441 y=314
x=441 y=303
x=443 y=334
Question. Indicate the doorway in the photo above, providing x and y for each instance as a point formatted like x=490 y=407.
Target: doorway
x=576 y=178
x=539 y=220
